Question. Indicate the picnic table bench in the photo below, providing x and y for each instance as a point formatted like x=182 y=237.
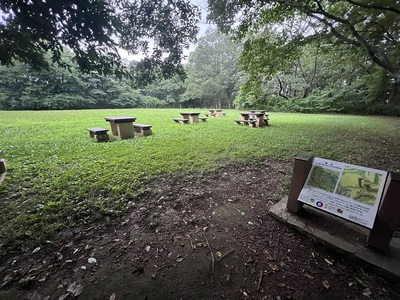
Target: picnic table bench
x=266 y=120
x=3 y=168
x=213 y=112
x=99 y=134
x=252 y=123
x=143 y=129
x=203 y=119
x=178 y=120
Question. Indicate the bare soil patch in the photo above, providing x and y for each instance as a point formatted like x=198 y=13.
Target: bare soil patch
x=198 y=237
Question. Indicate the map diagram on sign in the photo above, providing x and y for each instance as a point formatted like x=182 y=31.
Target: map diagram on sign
x=349 y=191
x=360 y=185
x=324 y=179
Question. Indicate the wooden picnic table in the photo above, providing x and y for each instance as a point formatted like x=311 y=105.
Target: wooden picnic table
x=257 y=116
x=216 y=112
x=258 y=111
x=121 y=127
x=193 y=117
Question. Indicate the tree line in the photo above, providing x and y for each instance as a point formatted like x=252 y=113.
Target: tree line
x=212 y=77
x=301 y=56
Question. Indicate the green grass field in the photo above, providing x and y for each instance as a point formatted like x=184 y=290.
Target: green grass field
x=57 y=176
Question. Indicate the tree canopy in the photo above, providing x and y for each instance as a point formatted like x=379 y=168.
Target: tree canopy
x=94 y=30
x=372 y=26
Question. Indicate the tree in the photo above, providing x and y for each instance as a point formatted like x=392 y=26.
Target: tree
x=213 y=73
x=372 y=26
x=94 y=29
x=168 y=91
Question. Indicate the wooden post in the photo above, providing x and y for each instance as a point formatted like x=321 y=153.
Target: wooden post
x=388 y=216
x=301 y=168
x=3 y=168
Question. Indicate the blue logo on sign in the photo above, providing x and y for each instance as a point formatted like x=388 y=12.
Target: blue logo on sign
x=319 y=204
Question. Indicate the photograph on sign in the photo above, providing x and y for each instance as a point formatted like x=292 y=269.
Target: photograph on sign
x=348 y=191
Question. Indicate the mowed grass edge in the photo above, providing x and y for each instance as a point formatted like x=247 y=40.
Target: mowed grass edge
x=58 y=177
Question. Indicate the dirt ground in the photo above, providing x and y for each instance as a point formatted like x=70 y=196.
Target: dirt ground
x=196 y=237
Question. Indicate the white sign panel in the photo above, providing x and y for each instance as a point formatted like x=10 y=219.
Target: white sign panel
x=348 y=191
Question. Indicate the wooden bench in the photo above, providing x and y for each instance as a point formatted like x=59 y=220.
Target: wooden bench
x=266 y=120
x=142 y=129
x=184 y=121
x=252 y=123
x=99 y=134
x=203 y=119
x=3 y=168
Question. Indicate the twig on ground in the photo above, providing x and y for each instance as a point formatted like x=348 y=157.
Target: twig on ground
x=166 y=266
x=228 y=274
x=230 y=251
x=260 y=278
x=212 y=255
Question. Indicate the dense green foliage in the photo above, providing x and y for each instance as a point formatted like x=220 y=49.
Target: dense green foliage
x=212 y=82
x=58 y=177
x=331 y=56
x=93 y=29
x=22 y=87
x=371 y=26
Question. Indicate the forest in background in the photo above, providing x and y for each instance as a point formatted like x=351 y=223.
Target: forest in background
x=279 y=62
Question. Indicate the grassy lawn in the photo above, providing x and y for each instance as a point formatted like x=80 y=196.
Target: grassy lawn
x=59 y=177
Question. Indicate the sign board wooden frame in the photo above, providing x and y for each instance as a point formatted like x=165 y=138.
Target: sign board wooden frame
x=387 y=215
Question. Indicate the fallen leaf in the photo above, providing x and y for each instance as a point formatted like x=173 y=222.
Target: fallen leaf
x=308 y=275
x=75 y=289
x=113 y=296
x=326 y=284
x=92 y=260
x=36 y=250
x=269 y=256
x=274 y=267
x=65 y=296
x=147 y=248
x=367 y=292
x=361 y=282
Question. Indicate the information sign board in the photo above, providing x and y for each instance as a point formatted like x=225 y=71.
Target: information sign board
x=348 y=191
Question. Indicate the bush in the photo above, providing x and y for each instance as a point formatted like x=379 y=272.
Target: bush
x=345 y=102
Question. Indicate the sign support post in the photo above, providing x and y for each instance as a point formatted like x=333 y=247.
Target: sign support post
x=388 y=216
x=301 y=168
